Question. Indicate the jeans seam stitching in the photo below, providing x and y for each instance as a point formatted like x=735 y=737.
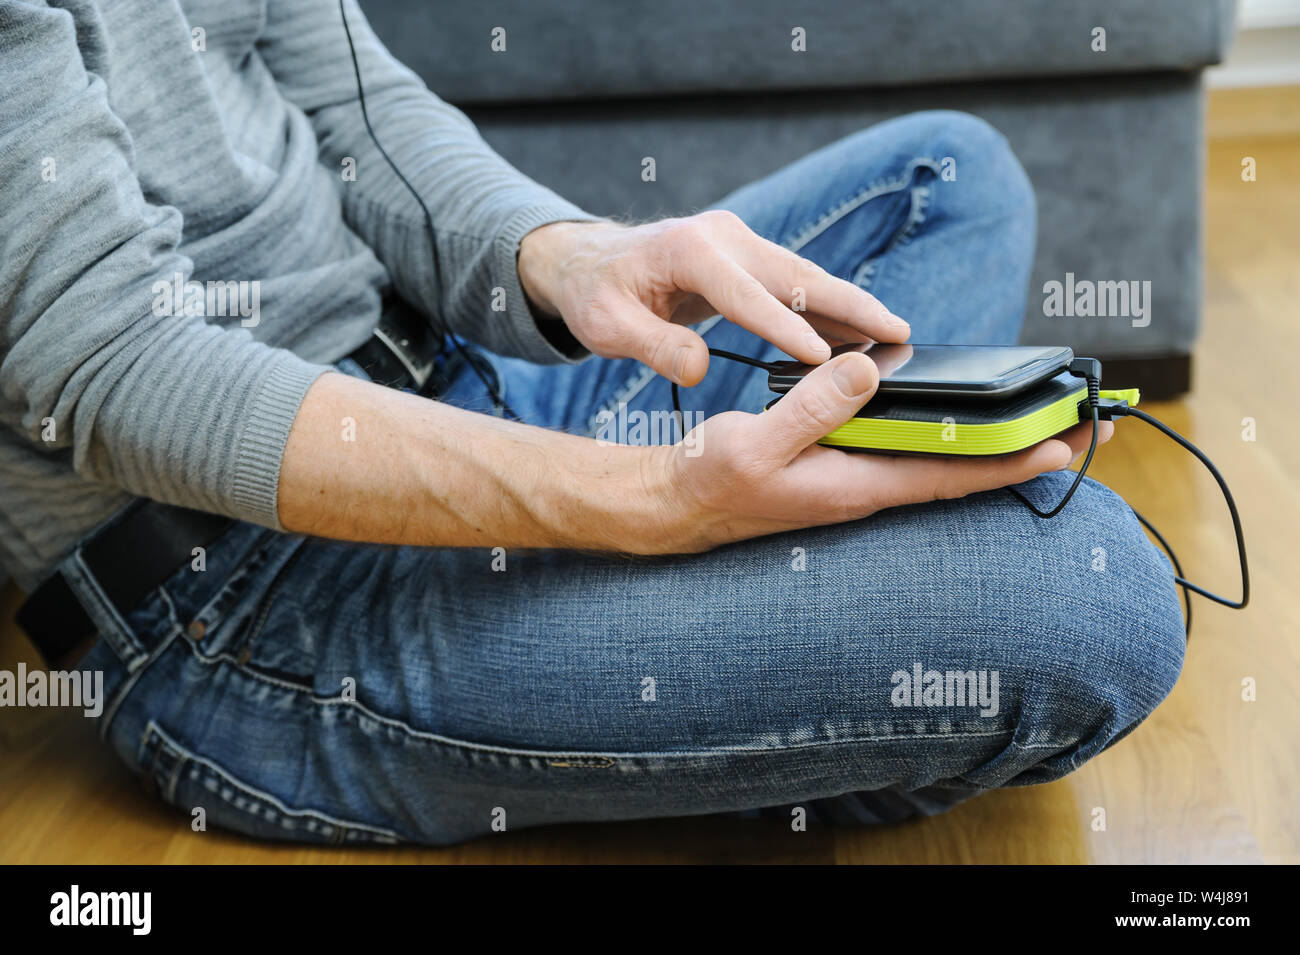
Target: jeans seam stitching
x=172 y=614
x=240 y=579
x=866 y=272
x=119 y=634
x=1016 y=746
x=272 y=592
x=411 y=732
x=201 y=762
x=922 y=203
x=132 y=678
x=874 y=190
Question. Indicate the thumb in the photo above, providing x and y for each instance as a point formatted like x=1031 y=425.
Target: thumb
x=817 y=405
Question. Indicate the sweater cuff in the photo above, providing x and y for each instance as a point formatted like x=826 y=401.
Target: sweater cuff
x=261 y=445
x=521 y=326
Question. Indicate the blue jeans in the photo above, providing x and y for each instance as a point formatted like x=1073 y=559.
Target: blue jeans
x=312 y=690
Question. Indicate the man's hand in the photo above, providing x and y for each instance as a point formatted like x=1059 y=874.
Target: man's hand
x=758 y=474
x=628 y=292
x=414 y=471
x=420 y=472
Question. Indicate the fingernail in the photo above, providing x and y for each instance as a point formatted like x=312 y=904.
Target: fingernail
x=894 y=321
x=817 y=343
x=680 y=357
x=852 y=377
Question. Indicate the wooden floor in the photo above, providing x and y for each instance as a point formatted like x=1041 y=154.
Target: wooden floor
x=1208 y=778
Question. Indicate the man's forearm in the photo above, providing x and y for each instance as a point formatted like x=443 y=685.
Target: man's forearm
x=367 y=463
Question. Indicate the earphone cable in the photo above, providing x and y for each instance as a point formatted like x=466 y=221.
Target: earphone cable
x=492 y=389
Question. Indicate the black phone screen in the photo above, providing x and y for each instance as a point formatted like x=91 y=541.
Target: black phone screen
x=948 y=369
x=959 y=364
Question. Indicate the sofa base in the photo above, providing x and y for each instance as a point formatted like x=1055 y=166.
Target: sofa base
x=1159 y=377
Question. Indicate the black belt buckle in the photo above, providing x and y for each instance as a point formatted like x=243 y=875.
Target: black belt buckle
x=408 y=355
x=402 y=350
x=407 y=339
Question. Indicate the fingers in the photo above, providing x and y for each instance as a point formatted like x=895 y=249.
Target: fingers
x=788 y=276
x=779 y=296
x=707 y=271
x=793 y=285
x=915 y=480
x=1080 y=436
x=834 y=331
x=674 y=351
x=696 y=309
x=815 y=407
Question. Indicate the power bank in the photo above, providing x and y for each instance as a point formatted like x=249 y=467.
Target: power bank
x=968 y=426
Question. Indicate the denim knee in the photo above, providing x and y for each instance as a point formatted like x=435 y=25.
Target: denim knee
x=1112 y=654
x=967 y=151
x=968 y=148
x=977 y=209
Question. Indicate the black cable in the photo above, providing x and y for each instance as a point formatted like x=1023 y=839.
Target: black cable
x=428 y=218
x=677 y=410
x=1078 y=478
x=746 y=360
x=719 y=353
x=1178 y=568
x=1122 y=409
x=1090 y=370
x=1227 y=497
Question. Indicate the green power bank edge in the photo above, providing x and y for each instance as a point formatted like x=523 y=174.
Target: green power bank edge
x=949 y=425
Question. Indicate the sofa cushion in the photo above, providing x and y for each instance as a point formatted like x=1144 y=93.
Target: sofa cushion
x=555 y=49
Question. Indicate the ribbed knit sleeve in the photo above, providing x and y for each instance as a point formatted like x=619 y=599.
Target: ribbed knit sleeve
x=481 y=205
x=162 y=405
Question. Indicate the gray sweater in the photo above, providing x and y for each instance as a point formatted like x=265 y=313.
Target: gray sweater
x=184 y=246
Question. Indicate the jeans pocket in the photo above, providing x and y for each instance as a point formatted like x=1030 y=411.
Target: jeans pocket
x=221 y=623
x=210 y=795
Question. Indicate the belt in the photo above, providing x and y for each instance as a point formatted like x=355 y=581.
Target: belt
x=147 y=542
x=400 y=352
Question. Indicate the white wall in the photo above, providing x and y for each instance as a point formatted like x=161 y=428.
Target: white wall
x=1266 y=50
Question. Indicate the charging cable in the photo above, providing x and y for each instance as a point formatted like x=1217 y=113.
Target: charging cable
x=1098 y=406
x=1107 y=407
x=1121 y=409
x=492 y=389
x=1088 y=369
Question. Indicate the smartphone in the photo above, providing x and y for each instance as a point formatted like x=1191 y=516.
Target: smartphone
x=973 y=371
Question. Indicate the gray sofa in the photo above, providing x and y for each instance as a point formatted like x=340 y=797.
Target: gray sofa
x=1113 y=140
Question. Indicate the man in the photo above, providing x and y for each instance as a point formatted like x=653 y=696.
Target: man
x=506 y=664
